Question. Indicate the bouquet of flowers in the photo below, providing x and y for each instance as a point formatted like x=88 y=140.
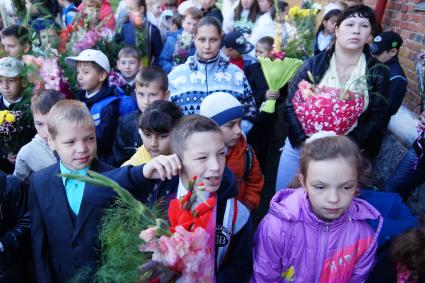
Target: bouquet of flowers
x=181 y=51
x=278 y=70
x=46 y=74
x=322 y=108
x=10 y=128
x=181 y=251
x=302 y=46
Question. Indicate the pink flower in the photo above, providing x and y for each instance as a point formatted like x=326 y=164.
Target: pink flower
x=148 y=234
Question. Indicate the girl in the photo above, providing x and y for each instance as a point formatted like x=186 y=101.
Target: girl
x=155 y=125
x=408 y=251
x=209 y=71
x=242 y=18
x=341 y=67
x=265 y=25
x=320 y=232
x=326 y=31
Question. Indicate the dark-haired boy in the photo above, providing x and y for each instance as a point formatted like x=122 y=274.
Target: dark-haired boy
x=385 y=47
x=151 y=85
x=101 y=98
x=16 y=41
x=235 y=46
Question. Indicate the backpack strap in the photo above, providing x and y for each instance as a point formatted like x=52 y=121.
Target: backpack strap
x=248 y=160
x=98 y=106
x=236 y=216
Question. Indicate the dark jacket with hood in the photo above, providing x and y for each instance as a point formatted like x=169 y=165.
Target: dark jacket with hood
x=371 y=124
x=107 y=126
x=127 y=139
x=237 y=263
x=14 y=229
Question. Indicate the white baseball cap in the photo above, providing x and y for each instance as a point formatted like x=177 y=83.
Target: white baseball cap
x=11 y=67
x=90 y=55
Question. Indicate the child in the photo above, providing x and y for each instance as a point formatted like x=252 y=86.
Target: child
x=178 y=46
x=100 y=11
x=14 y=230
x=151 y=85
x=236 y=45
x=209 y=9
x=199 y=151
x=155 y=126
x=263 y=137
x=242 y=18
x=37 y=154
x=153 y=12
x=14 y=98
x=385 y=48
x=141 y=33
x=320 y=232
x=92 y=76
x=326 y=31
x=408 y=251
x=16 y=41
x=69 y=11
x=128 y=64
x=176 y=23
x=227 y=112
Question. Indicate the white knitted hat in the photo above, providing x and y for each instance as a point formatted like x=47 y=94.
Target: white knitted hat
x=221 y=107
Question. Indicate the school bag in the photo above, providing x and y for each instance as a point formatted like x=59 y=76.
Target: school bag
x=248 y=160
x=126 y=105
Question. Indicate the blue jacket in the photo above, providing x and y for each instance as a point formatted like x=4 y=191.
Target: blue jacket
x=398 y=84
x=68 y=14
x=166 y=61
x=397 y=216
x=106 y=129
x=235 y=265
x=128 y=36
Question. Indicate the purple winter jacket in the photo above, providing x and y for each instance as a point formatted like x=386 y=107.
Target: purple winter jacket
x=293 y=245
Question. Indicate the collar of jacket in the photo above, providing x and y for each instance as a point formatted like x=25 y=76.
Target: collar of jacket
x=221 y=60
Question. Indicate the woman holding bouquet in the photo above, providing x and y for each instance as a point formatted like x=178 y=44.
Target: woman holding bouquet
x=342 y=90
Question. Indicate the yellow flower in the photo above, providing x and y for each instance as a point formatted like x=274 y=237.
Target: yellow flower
x=294 y=11
x=10 y=118
x=288 y=275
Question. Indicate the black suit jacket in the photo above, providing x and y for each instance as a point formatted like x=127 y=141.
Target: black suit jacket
x=60 y=247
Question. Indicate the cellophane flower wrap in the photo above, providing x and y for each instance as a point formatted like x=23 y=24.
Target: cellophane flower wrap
x=182 y=48
x=323 y=108
x=168 y=252
x=10 y=128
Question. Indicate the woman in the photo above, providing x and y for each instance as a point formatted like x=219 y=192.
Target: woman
x=342 y=66
x=209 y=71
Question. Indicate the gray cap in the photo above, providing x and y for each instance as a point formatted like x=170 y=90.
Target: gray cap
x=11 y=67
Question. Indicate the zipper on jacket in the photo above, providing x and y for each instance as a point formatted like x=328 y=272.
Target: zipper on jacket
x=323 y=246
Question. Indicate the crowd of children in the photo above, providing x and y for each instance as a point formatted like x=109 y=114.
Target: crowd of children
x=183 y=96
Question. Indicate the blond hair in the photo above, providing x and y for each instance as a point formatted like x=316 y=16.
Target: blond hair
x=69 y=111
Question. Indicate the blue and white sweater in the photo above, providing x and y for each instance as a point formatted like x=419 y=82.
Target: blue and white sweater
x=192 y=81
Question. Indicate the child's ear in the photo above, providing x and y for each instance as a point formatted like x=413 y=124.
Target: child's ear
x=393 y=52
x=50 y=142
x=103 y=76
x=166 y=95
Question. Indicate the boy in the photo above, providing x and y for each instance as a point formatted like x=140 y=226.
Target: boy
x=137 y=28
x=209 y=8
x=101 y=98
x=14 y=230
x=385 y=48
x=167 y=59
x=151 y=85
x=37 y=154
x=14 y=98
x=16 y=41
x=227 y=112
x=199 y=151
x=155 y=126
x=65 y=213
x=69 y=11
x=128 y=64
x=236 y=45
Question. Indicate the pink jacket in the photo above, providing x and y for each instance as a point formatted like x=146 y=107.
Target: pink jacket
x=293 y=245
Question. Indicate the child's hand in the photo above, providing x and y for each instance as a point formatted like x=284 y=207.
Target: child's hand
x=162 y=167
x=12 y=158
x=272 y=94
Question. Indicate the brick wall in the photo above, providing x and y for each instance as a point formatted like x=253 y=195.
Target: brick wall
x=401 y=17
